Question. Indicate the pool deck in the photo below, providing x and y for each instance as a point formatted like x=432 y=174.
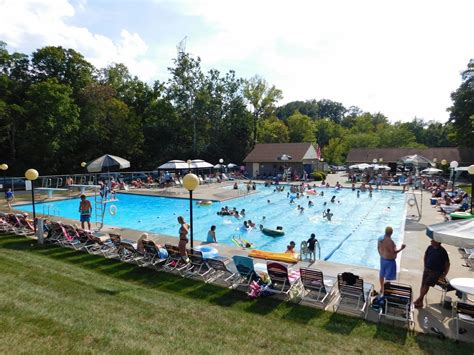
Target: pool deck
x=410 y=268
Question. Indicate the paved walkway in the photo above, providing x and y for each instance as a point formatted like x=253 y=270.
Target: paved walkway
x=411 y=264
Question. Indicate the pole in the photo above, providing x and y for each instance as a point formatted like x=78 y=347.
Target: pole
x=191 y=215
x=33 y=201
x=472 y=191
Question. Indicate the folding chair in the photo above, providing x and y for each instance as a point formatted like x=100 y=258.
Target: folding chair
x=174 y=262
x=316 y=287
x=283 y=280
x=398 y=302
x=221 y=271
x=352 y=295
x=198 y=266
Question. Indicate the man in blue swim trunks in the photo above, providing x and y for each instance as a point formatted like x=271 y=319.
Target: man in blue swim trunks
x=85 y=209
x=388 y=253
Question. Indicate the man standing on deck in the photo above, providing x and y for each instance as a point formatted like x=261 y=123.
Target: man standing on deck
x=388 y=253
x=85 y=209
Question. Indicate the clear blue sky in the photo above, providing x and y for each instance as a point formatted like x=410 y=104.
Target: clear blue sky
x=402 y=58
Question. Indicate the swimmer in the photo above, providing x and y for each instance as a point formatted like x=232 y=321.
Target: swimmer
x=263 y=218
x=287 y=194
x=370 y=193
x=268 y=201
x=327 y=214
x=310 y=203
x=358 y=193
x=333 y=199
x=325 y=203
x=301 y=210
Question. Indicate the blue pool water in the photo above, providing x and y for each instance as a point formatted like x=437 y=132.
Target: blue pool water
x=350 y=238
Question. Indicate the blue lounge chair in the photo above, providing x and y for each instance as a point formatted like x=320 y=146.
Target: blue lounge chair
x=245 y=269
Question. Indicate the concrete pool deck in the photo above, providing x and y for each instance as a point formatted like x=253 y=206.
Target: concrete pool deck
x=411 y=260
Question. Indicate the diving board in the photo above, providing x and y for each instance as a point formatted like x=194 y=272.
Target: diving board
x=50 y=190
x=84 y=187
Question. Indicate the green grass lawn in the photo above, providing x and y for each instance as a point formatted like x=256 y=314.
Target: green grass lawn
x=58 y=300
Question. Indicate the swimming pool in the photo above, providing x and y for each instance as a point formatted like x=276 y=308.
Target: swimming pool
x=350 y=238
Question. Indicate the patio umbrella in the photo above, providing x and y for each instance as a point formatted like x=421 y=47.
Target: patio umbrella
x=285 y=157
x=218 y=166
x=380 y=167
x=458 y=233
x=231 y=165
x=200 y=164
x=416 y=159
x=174 y=165
x=360 y=166
x=431 y=171
x=107 y=162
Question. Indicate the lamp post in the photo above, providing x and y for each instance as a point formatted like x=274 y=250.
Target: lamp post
x=190 y=182
x=470 y=170
x=221 y=162
x=4 y=167
x=453 y=165
x=32 y=175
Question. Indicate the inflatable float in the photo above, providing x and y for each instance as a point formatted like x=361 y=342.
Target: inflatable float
x=204 y=203
x=272 y=232
x=285 y=257
x=242 y=243
x=207 y=251
x=461 y=215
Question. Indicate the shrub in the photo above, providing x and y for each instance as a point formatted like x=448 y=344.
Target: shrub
x=318 y=175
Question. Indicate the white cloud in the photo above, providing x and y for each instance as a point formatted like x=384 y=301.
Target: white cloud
x=402 y=58
x=25 y=24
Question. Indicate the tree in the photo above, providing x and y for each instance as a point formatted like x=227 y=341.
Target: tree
x=272 y=130
x=301 y=128
x=462 y=111
x=335 y=151
x=331 y=109
x=186 y=81
x=326 y=129
x=66 y=65
x=51 y=125
x=262 y=98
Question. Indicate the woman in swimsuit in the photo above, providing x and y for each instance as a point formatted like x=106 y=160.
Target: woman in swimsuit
x=183 y=237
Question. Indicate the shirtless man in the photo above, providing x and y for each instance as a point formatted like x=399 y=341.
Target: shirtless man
x=388 y=253
x=85 y=209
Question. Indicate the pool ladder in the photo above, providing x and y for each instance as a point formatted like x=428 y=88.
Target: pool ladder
x=50 y=210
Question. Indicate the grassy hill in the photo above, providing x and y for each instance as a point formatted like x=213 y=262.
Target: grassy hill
x=58 y=300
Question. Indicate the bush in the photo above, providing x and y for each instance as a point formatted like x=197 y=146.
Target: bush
x=318 y=175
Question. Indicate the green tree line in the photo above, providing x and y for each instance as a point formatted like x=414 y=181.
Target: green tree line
x=57 y=110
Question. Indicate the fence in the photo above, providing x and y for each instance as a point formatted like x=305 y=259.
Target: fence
x=59 y=181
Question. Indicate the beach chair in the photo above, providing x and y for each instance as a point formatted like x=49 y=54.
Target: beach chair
x=5 y=226
x=152 y=254
x=398 y=302
x=245 y=269
x=55 y=233
x=316 y=287
x=283 y=279
x=129 y=254
x=16 y=226
x=70 y=237
x=199 y=267
x=221 y=271
x=353 y=295
x=112 y=246
x=463 y=312
x=174 y=262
